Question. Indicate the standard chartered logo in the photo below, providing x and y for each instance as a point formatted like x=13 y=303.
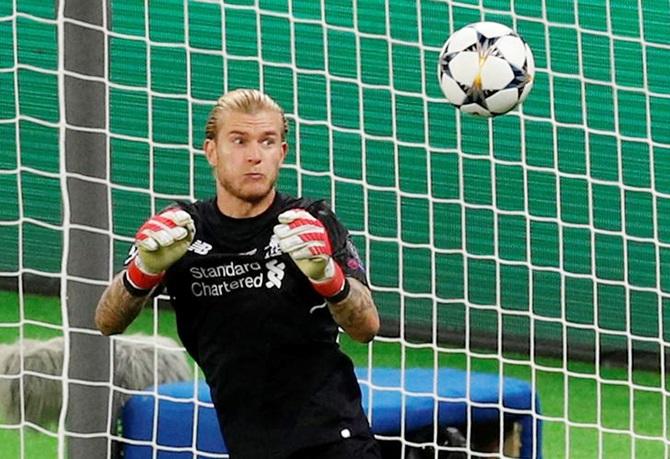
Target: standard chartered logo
x=275 y=273
x=226 y=278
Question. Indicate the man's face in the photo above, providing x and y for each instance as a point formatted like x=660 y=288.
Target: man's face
x=247 y=154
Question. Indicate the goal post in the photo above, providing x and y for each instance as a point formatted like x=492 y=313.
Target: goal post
x=532 y=246
x=86 y=420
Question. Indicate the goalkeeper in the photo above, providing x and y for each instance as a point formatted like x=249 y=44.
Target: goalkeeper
x=260 y=282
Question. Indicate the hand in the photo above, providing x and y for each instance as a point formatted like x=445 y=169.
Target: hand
x=306 y=241
x=160 y=242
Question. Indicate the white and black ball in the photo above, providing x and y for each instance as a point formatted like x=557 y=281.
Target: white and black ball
x=486 y=69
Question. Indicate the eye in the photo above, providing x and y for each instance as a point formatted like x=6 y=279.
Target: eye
x=268 y=142
x=238 y=141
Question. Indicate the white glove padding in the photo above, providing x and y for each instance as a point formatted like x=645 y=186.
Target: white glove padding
x=305 y=239
x=163 y=239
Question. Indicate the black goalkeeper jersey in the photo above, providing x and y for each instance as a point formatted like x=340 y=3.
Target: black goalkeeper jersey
x=264 y=338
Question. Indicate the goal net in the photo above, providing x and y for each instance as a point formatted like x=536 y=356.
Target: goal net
x=532 y=246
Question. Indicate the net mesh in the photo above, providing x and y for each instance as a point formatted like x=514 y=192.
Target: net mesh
x=534 y=245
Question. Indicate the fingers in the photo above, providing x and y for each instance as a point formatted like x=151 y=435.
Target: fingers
x=301 y=235
x=306 y=230
x=296 y=214
x=299 y=222
x=164 y=229
x=299 y=248
x=183 y=221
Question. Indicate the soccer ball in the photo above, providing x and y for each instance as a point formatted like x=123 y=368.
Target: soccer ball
x=486 y=69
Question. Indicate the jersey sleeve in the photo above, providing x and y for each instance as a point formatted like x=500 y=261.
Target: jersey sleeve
x=344 y=249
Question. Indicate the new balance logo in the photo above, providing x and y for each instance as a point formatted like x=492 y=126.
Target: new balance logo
x=275 y=273
x=200 y=247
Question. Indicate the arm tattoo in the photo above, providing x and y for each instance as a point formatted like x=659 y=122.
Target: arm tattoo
x=117 y=308
x=357 y=313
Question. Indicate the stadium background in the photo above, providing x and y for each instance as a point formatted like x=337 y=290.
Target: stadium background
x=534 y=235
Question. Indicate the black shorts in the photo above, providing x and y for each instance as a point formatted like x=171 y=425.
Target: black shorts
x=356 y=447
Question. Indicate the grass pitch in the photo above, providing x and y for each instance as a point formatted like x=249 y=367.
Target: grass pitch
x=589 y=412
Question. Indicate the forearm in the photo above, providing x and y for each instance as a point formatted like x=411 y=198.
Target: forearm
x=117 y=308
x=357 y=313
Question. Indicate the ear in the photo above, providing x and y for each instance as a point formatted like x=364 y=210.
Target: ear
x=210 y=152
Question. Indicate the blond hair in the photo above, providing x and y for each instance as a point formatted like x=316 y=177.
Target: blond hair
x=244 y=101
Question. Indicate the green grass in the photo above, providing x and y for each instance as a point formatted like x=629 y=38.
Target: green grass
x=36 y=445
x=580 y=397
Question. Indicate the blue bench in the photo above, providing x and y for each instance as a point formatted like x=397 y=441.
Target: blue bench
x=455 y=406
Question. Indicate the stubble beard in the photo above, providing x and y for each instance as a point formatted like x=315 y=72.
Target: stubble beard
x=251 y=196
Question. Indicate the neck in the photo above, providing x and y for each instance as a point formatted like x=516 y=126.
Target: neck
x=235 y=207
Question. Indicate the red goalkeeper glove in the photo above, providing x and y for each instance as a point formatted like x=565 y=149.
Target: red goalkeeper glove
x=160 y=241
x=306 y=240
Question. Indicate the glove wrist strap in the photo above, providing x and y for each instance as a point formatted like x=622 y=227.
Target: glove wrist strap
x=335 y=288
x=341 y=295
x=139 y=281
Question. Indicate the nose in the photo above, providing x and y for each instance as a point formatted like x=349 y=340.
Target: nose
x=254 y=155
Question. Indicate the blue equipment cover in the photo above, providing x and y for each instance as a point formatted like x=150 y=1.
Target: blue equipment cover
x=477 y=398
x=480 y=394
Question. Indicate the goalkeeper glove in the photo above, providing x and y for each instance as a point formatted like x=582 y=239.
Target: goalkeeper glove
x=305 y=239
x=160 y=241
